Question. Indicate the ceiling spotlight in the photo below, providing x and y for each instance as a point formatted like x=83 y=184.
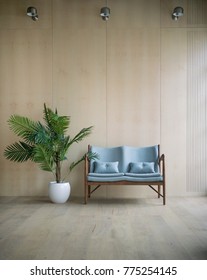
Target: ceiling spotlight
x=32 y=12
x=104 y=13
x=177 y=12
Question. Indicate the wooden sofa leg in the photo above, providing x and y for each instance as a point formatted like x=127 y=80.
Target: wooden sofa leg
x=164 y=195
x=89 y=191
x=158 y=191
x=86 y=194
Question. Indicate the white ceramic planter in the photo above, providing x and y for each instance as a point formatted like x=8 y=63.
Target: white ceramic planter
x=59 y=192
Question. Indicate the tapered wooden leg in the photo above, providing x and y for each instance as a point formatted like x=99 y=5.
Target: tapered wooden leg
x=164 y=195
x=89 y=191
x=86 y=193
x=158 y=191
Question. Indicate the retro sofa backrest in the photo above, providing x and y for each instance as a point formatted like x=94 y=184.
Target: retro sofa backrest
x=126 y=155
x=112 y=154
x=141 y=154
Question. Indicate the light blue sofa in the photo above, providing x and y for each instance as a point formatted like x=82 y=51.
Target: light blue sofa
x=125 y=165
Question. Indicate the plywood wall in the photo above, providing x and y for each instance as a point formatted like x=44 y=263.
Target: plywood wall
x=128 y=77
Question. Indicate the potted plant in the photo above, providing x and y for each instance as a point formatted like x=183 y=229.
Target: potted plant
x=47 y=145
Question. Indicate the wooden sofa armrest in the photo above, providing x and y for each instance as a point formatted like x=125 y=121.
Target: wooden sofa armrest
x=162 y=158
x=162 y=164
x=86 y=165
x=87 y=160
x=88 y=157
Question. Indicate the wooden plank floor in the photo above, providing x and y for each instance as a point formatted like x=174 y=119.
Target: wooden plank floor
x=33 y=228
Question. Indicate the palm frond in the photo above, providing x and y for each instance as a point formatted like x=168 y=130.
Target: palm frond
x=55 y=123
x=63 y=147
x=74 y=163
x=24 y=127
x=92 y=155
x=44 y=158
x=42 y=136
x=60 y=125
x=19 y=152
x=89 y=155
x=82 y=134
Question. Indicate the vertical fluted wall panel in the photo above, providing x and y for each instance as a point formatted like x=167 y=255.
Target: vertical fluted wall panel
x=196 y=111
x=196 y=12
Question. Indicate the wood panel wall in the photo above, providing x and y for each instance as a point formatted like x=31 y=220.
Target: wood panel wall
x=129 y=77
x=197 y=111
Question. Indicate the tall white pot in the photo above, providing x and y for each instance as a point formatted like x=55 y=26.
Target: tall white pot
x=59 y=192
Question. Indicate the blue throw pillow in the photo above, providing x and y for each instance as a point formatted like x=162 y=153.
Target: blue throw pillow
x=142 y=167
x=106 y=167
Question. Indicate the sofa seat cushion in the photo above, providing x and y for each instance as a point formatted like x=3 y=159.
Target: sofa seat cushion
x=131 y=177
x=105 y=177
x=142 y=175
x=145 y=177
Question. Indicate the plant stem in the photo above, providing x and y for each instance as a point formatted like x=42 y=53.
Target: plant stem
x=58 y=172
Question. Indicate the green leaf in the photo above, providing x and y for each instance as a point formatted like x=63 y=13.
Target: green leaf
x=56 y=124
x=44 y=158
x=92 y=155
x=24 y=127
x=81 y=135
x=19 y=152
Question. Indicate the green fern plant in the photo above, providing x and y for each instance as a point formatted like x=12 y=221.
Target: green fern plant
x=45 y=143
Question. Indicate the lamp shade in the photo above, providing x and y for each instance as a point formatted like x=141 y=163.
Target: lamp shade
x=104 y=13
x=32 y=12
x=177 y=12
